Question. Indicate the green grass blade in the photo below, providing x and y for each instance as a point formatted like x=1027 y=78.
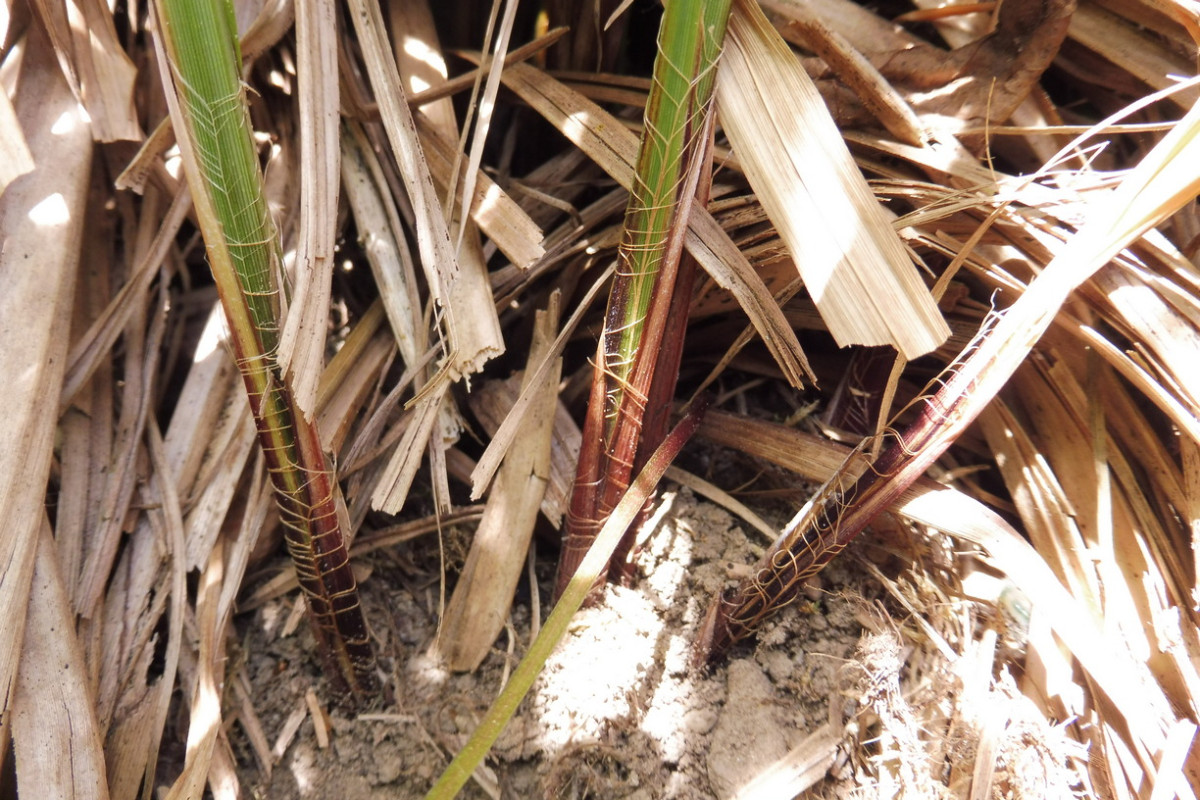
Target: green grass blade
x=648 y=260
x=684 y=72
x=208 y=108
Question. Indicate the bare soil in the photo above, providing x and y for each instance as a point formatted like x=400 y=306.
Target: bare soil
x=619 y=712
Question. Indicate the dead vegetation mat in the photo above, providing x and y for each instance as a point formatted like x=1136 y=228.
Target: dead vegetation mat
x=1019 y=624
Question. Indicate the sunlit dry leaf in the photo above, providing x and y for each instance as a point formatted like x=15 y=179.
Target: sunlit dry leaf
x=1104 y=32
x=492 y=209
x=99 y=71
x=41 y=219
x=15 y=159
x=482 y=106
x=853 y=264
x=892 y=110
x=1172 y=338
x=472 y=327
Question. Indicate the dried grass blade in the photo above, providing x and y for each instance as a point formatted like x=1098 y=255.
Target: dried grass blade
x=89 y=421
x=41 y=220
x=1190 y=455
x=419 y=64
x=728 y=266
x=396 y=479
x=1181 y=11
x=589 y=127
x=204 y=719
x=422 y=65
x=15 y=158
x=803 y=766
x=860 y=75
x=208 y=398
x=483 y=108
x=506 y=434
x=472 y=327
x=128 y=703
x=1076 y=494
x=1126 y=46
x=118 y=488
x=710 y=491
x=383 y=241
x=480 y=604
x=147 y=165
x=219 y=474
x=168 y=515
x=606 y=141
x=1049 y=516
x=302 y=340
x=99 y=72
x=491 y=406
x=55 y=732
x=495 y=212
x=94 y=346
x=1172 y=338
x=1134 y=691
x=853 y=263
x=352 y=376
x=83 y=452
x=1141 y=379
x=1160 y=185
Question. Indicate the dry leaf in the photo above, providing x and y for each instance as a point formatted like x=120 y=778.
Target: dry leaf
x=852 y=261
x=55 y=733
x=472 y=328
x=483 y=596
x=41 y=220
x=302 y=340
x=97 y=68
x=597 y=133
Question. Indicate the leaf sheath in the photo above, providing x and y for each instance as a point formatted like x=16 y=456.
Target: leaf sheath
x=639 y=344
x=209 y=113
